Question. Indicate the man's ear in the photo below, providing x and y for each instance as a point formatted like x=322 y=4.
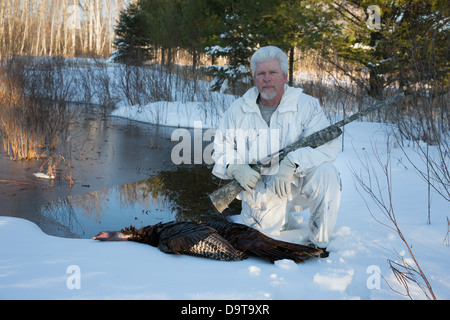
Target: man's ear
x=286 y=77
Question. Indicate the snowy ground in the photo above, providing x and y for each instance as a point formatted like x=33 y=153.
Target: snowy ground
x=34 y=265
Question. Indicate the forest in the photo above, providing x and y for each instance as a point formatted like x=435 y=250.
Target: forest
x=66 y=28
x=376 y=43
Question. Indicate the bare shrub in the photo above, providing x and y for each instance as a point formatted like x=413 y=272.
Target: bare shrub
x=381 y=194
x=34 y=108
x=423 y=121
x=142 y=85
x=104 y=86
x=18 y=138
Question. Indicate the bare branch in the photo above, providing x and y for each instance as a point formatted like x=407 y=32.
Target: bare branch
x=382 y=196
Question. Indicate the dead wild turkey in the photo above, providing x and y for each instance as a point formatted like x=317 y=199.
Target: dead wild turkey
x=220 y=240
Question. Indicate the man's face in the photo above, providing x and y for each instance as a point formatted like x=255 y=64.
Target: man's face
x=269 y=80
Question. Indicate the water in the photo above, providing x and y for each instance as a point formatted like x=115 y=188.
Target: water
x=123 y=175
x=180 y=195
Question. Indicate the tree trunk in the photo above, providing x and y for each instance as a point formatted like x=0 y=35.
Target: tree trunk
x=375 y=89
x=291 y=66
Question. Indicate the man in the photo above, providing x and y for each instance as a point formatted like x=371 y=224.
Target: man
x=267 y=118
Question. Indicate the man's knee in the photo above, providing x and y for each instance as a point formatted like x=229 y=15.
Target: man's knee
x=323 y=179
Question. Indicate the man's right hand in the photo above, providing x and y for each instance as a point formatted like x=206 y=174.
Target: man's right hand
x=246 y=176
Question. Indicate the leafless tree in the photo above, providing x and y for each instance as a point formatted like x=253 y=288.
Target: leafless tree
x=58 y=27
x=423 y=122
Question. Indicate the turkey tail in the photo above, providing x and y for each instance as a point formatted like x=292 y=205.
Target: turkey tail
x=273 y=250
x=253 y=242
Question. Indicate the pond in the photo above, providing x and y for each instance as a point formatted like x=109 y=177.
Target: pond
x=180 y=195
x=123 y=175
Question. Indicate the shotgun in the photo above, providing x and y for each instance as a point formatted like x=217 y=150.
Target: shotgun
x=222 y=197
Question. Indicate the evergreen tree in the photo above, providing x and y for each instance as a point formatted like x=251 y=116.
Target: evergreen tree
x=249 y=25
x=389 y=52
x=200 y=23
x=291 y=24
x=237 y=45
x=132 y=42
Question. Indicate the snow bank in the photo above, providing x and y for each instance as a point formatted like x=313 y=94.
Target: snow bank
x=38 y=266
x=173 y=114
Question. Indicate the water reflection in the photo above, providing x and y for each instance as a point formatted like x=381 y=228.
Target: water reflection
x=170 y=195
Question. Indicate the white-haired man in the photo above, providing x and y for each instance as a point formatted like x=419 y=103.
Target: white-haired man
x=267 y=118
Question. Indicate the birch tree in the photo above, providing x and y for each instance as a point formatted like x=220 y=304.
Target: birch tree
x=58 y=27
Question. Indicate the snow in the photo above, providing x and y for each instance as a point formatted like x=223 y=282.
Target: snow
x=362 y=46
x=41 y=175
x=34 y=265
x=172 y=114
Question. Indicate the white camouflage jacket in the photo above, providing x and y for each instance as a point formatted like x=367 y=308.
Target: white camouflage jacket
x=245 y=137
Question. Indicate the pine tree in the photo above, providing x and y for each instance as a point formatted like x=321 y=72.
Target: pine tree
x=388 y=52
x=132 y=42
x=238 y=46
x=291 y=24
x=249 y=25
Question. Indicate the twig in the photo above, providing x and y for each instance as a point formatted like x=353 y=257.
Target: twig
x=446 y=240
x=15 y=182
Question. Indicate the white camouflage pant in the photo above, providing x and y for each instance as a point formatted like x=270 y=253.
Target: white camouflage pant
x=319 y=190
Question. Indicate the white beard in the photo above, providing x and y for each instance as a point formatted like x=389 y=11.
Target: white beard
x=268 y=96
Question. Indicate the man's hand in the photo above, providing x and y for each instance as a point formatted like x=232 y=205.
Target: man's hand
x=246 y=176
x=282 y=180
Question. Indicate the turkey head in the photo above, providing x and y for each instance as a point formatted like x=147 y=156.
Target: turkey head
x=111 y=236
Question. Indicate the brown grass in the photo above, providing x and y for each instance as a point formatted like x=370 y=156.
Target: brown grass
x=34 y=113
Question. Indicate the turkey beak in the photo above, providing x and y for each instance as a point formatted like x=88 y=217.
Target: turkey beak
x=111 y=236
x=102 y=236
